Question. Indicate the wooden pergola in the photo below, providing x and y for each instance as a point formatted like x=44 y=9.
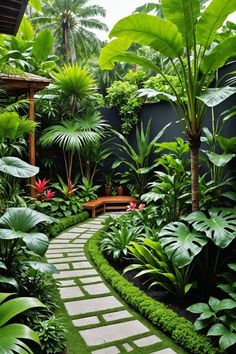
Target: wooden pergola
x=11 y=13
x=26 y=86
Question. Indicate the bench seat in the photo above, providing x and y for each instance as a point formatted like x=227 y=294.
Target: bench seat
x=103 y=204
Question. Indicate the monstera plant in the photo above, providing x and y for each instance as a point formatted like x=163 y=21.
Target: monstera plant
x=187 y=37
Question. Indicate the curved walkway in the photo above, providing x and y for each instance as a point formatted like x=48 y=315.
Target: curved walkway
x=104 y=322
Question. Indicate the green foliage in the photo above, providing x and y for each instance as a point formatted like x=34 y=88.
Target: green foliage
x=116 y=241
x=219 y=225
x=158 y=83
x=171 y=188
x=65 y=223
x=17 y=231
x=177 y=327
x=87 y=191
x=152 y=261
x=180 y=243
x=136 y=77
x=51 y=333
x=13 y=335
x=121 y=95
x=60 y=207
x=16 y=167
x=138 y=161
x=229 y=285
x=219 y=317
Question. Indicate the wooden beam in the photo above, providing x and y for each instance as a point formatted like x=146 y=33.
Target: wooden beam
x=32 y=140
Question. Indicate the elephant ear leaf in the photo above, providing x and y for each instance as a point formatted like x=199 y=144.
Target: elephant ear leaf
x=17 y=167
x=180 y=243
x=219 y=226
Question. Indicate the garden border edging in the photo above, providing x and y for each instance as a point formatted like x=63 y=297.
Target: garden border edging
x=178 y=328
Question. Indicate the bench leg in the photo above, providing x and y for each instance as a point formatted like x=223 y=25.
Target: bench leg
x=93 y=213
x=104 y=208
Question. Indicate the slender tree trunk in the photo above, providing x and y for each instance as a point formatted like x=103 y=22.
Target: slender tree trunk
x=65 y=41
x=194 y=144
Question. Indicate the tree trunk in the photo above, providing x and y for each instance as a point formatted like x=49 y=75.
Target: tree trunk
x=65 y=41
x=194 y=144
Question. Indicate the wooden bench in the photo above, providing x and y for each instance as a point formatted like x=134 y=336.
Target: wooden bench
x=103 y=204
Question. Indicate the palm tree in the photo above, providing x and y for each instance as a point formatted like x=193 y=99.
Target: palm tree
x=72 y=23
x=187 y=37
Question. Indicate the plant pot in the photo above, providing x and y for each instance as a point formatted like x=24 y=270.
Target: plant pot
x=107 y=192
x=120 y=190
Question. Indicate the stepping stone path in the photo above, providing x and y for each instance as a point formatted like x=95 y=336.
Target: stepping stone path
x=102 y=320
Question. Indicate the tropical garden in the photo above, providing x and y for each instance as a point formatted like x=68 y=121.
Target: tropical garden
x=149 y=114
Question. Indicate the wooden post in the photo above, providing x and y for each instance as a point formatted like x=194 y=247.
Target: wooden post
x=32 y=140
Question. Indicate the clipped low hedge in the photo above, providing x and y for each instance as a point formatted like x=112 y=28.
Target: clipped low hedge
x=64 y=223
x=178 y=328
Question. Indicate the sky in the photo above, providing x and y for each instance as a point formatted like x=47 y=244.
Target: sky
x=116 y=9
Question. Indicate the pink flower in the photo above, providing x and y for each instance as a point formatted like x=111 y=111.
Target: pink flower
x=49 y=194
x=131 y=207
x=141 y=207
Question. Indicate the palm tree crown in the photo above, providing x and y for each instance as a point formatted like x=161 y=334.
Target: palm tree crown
x=72 y=22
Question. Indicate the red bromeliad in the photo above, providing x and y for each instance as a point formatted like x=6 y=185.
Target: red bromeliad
x=49 y=194
x=40 y=185
x=133 y=206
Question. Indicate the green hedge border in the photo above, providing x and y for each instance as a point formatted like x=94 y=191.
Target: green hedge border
x=177 y=327
x=64 y=223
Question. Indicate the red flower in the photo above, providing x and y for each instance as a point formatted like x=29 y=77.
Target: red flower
x=49 y=194
x=131 y=207
x=141 y=207
x=40 y=185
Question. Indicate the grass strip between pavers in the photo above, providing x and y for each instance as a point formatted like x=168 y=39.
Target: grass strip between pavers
x=177 y=327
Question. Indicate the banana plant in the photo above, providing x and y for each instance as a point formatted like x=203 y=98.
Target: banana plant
x=14 y=337
x=187 y=37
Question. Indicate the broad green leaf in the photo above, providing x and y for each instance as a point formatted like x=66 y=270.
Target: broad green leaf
x=150 y=93
x=26 y=29
x=8 y=280
x=42 y=267
x=115 y=51
x=184 y=15
x=227 y=338
x=220 y=226
x=42 y=45
x=23 y=219
x=180 y=244
x=198 y=308
x=219 y=55
x=36 y=4
x=17 y=167
x=214 y=96
x=148 y=30
x=212 y=19
x=220 y=160
x=18 y=330
x=227 y=144
x=4 y=296
x=14 y=307
x=36 y=242
x=3 y=266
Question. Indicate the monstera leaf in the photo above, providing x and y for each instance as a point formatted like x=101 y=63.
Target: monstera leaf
x=180 y=243
x=219 y=226
x=17 y=168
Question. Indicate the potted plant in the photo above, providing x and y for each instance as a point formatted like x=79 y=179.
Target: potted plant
x=109 y=184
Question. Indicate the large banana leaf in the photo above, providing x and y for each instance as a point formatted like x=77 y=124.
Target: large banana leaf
x=181 y=244
x=220 y=226
x=219 y=55
x=159 y=34
x=22 y=219
x=115 y=51
x=42 y=45
x=212 y=19
x=214 y=96
x=184 y=15
x=17 y=168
